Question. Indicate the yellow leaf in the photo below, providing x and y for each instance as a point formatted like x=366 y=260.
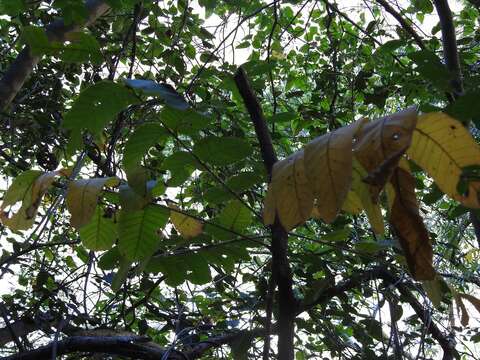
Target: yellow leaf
x=442 y=147
x=352 y=203
x=409 y=227
x=291 y=191
x=82 y=197
x=39 y=188
x=380 y=145
x=360 y=188
x=30 y=193
x=328 y=166
x=186 y=226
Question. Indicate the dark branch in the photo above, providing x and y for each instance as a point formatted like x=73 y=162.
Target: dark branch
x=281 y=271
x=405 y=25
x=449 y=41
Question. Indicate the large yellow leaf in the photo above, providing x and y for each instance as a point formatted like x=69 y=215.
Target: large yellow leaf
x=361 y=191
x=380 y=145
x=291 y=192
x=82 y=197
x=442 y=147
x=409 y=227
x=187 y=226
x=328 y=166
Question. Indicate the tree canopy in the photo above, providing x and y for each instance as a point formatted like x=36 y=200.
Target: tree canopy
x=239 y=179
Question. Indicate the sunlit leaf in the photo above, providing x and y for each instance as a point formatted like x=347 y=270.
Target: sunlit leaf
x=443 y=147
x=328 y=168
x=82 y=196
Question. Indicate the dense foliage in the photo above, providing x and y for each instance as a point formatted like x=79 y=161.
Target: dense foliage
x=135 y=158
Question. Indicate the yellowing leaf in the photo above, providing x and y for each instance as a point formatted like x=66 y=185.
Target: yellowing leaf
x=291 y=191
x=186 y=226
x=352 y=203
x=19 y=190
x=29 y=188
x=442 y=147
x=82 y=197
x=409 y=226
x=40 y=187
x=360 y=188
x=328 y=167
x=380 y=145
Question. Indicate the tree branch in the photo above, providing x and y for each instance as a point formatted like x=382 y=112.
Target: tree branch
x=23 y=65
x=449 y=42
x=405 y=25
x=280 y=264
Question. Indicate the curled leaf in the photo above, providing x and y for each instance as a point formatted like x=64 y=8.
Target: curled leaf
x=409 y=227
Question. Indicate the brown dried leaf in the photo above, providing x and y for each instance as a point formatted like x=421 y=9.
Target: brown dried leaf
x=409 y=227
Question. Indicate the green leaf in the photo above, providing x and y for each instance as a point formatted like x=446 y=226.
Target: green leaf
x=241 y=345
x=138 y=231
x=94 y=108
x=431 y=67
x=100 y=233
x=235 y=217
x=82 y=48
x=187 y=122
x=244 y=181
x=36 y=38
x=181 y=165
x=121 y=274
x=144 y=137
x=222 y=150
x=109 y=259
x=465 y=108
x=72 y=11
x=199 y=271
x=164 y=91
x=173 y=267
x=12 y=7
